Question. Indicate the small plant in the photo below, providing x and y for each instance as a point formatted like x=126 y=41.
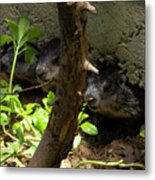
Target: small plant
x=20 y=34
x=85 y=126
x=27 y=127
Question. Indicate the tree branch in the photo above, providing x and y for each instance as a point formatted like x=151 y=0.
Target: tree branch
x=58 y=137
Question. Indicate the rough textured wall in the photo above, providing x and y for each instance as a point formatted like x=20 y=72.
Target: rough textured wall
x=117 y=30
x=43 y=15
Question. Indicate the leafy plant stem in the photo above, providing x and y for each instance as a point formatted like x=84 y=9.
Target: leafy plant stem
x=22 y=50
x=8 y=134
x=32 y=128
x=13 y=68
x=33 y=139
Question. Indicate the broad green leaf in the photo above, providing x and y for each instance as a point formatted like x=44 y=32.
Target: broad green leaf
x=14 y=146
x=89 y=128
x=30 y=107
x=24 y=40
x=82 y=116
x=48 y=101
x=34 y=33
x=31 y=34
x=27 y=122
x=1 y=97
x=4 y=119
x=50 y=97
x=5 y=39
x=40 y=125
x=44 y=100
x=5 y=108
x=6 y=98
x=7 y=150
x=4 y=83
x=23 y=27
x=10 y=151
x=4 y=157
x=17 y=88
x=19 y=131
x=16 y=105
x=77 y=141
x=30 y=54
x=40 y=119
x=3 y=92
x=13 y=27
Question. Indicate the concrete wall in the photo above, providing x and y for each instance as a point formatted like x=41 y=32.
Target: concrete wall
x=117 y=30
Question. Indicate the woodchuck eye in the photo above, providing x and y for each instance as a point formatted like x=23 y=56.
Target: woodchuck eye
x=55 y=61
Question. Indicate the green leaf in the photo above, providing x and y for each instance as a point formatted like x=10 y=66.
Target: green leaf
x=14 y=146
x=4 y=83
x=82 y=116
x=40 y=119
x=30 y=54
x=5 y=108
x=18 y=130
x=27 y=122
x=5 y=39
x=3 y=92
x=3 y=158
x=50 y=97
x=6 y=98
x=15 y=104
x=13 y=27
x=30 y=107
x=89 y=128
x=48 y=101
x=23 y=27
x=4 y=119
x=34 y=33
x=77 y=141
x=31 y=34
x=17 y=88
x=10 y=151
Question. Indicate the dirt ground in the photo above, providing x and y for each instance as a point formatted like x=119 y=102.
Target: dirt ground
x=116 y=141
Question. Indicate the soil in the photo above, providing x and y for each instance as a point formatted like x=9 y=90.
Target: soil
x=116 y=141
x=129 y=150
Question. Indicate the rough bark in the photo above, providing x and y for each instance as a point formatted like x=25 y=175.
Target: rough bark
x=57 y=139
